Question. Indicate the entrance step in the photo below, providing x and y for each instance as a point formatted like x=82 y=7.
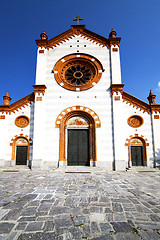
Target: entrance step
x=141 y=169
x=16 y=168
x=79 y=169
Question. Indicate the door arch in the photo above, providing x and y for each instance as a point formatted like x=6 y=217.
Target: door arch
x=137 y=152
x=20 y=140
x=78 y=142
x=93 y=122
x=21 y=151
x=137 y=149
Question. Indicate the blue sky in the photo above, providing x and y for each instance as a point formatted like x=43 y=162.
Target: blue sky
x=136 y=22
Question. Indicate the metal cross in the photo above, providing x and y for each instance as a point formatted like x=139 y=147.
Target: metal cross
x=77 y=19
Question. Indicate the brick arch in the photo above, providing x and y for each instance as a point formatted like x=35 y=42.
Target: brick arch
x=93 y=121
x=13 y=144
x=93 y=116
x=144 y=142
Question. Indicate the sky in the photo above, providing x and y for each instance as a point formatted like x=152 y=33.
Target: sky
x=136 y=22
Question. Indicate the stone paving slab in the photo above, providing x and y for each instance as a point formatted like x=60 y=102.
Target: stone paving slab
x=79 y=204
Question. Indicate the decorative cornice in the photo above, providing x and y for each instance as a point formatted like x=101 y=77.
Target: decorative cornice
x=139 y=104
x=114 y=41
x=135 y=102
x=78 y=30
x=155 y=108
x=116 y=88
x=39 y=89
x=17 y=105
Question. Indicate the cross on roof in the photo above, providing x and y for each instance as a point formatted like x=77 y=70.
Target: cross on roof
x=77 y=19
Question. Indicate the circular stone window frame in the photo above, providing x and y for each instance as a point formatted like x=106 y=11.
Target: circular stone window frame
x=135 y=116
x=65 y=62
x=22 y=116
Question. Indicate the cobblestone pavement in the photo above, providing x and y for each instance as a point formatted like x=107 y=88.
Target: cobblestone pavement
x=89 y=205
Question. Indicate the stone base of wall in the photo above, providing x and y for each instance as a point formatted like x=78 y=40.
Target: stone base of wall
x=121 y=165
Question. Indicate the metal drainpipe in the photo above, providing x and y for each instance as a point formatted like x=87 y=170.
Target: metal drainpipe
x=112 y=113
x=153 y=143
x=114 y=162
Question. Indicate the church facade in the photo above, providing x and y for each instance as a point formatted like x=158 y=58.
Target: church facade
x=78 y=114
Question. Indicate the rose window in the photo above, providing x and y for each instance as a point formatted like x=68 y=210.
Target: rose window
x=22 y=121
x=135 y=121
x=77 y=72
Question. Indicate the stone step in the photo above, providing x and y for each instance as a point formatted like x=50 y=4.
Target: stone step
x=16 y=168
x=79 y=169
x=141 y=169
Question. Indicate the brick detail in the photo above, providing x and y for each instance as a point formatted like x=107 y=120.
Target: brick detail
x=38 y=98
x=156 y=116
x=82 y=109
x=13 y=144
x=117 y=98
x=2 y=117
x=39 y=89
x=41 y=51
x=114 y=49
x=142 y=139
x=62 y=65
x=77 y=30
x=116 y=88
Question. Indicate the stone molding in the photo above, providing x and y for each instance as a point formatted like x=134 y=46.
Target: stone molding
x=67 y=61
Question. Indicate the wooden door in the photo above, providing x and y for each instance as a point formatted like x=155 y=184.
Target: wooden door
x=137 y=155
x=21 y=155
x=78 y=147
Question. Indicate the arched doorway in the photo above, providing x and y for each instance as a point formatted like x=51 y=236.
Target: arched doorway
x=78 y=142
x=21 y=151
x=137 y=152
x=92 y=122
x=20 y=146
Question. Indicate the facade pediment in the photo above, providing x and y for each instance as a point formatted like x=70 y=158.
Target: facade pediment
x=77 y=30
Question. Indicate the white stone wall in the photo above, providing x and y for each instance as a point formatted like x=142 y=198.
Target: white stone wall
x=9 y=130
x=156 y=133
x=122 y=131
x=56 y=99
x=114 y=130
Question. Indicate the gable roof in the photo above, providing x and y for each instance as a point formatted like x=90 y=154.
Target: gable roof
x=133 y=101
x=18 y=104
x=78 y=30
x=139 y=104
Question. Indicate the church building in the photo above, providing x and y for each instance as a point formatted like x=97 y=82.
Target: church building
x=78 y=113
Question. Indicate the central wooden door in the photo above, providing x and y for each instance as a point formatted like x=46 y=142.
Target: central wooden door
x=78 y=147
x=137 y=155
x=21 y=155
